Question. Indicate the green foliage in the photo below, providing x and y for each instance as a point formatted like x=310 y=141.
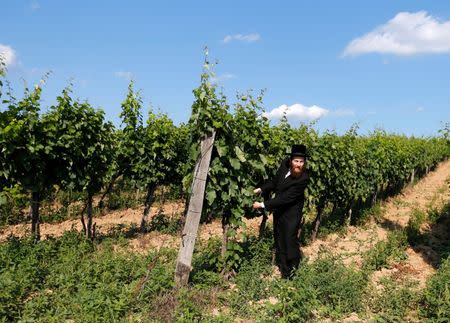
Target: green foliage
x=164 y=224
x=12 y=203
x=258 y=253
x=161 y=157
x=70 y=278
x=209 y=111
x=252 y=278
x=131 y=110
x=148 y=155
x=159 y=275
x=435 y=236
x=26 y=144
x=191 y=305
x=349 y=170
x=121 y=200
x=238 y=162
x=367 y=214
x=394 y=301
x=27 y=149
x=83 y=142
x=82 y=146
x=435 y=305
x=25 y=267
x=130 y=138
x=385 y=252
x=335 y=157
x=416 y=219
x=323 y=289
x=206 y=259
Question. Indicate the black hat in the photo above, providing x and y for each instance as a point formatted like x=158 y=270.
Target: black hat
x=298 y=151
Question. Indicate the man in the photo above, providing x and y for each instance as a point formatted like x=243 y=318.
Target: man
x=289 y=186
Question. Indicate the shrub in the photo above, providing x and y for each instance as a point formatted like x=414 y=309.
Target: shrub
x=436 y=297
x=164 y=224
x=413 y=229
x=326 y=288
x=387 y=251
x=12 y=204
x=395 y=301
x=252 y=278
x=72 y=278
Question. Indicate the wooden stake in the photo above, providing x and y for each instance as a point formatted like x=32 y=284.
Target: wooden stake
x=184 y=260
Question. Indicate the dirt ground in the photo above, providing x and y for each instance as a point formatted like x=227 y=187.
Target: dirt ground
x=123 y=219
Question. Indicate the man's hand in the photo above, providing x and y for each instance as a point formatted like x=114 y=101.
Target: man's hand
x=258 y=205
x=257 y=190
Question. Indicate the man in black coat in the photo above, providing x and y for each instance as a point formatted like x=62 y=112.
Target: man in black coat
x=289 y=186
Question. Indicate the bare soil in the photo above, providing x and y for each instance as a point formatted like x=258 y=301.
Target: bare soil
x=125 y=219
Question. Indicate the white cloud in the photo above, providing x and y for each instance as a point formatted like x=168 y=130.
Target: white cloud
x=420 y=109
x=223 y=77
x=297 y=111
x=124 y=75
x=406 y=34
x=249 y=38
x=8 y=55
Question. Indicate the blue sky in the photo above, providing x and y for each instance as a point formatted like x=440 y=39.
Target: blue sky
x=381 y=64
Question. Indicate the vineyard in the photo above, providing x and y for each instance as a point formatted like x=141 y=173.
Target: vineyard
x=66 y=164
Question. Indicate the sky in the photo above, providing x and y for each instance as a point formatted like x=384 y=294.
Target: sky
x=375 y=64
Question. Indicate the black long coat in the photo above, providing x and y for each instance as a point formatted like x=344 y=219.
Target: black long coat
x=287 y=206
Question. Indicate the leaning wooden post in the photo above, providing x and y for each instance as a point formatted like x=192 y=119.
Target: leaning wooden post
x=183 y=266
x=411 y=182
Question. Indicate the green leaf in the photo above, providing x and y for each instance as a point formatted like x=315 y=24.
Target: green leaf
x=240 y=154
x=235 y=163
x=222 y=150
x=263 y=159
x=211 y=196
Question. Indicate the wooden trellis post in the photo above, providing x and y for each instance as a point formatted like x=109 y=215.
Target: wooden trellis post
x=184 y=260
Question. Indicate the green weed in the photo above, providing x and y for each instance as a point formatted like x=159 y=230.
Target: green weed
x=71 y=278
x=416 y=220
x=395 y=301
x=386 y=252
x=164 y=224
x=324 y=289
x=435 y=305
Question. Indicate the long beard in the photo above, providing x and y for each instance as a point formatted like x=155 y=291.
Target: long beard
x=296 y=171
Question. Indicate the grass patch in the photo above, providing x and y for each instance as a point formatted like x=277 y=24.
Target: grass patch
x=416 y=220
x=70 y=278
x=386 y=252
x=165 y=224
x=435 y=303
x=394 y=302
x=367 y=214
x=324 y=289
